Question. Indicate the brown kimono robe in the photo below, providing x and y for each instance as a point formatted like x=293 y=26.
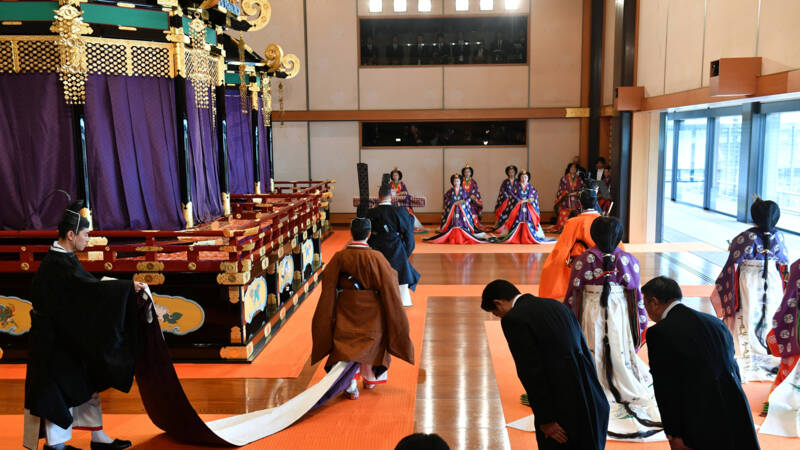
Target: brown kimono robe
x=363 y=326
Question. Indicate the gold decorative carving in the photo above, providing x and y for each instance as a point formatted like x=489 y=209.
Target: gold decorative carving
x=271 y=269
x=108 y=266
x=153 y=279
x=73 y=66
x=233 y=278
x=272 y=299
x=25 y=266
x=201 y=67
x=576 y=112
x=236 y=335
x=149 y=249
x=234 y=294
x=150 y=266
x=238 y=352
x=242 y=84
x=266 y=100
x=229 y=266
x=192 y=266
x=261 y=9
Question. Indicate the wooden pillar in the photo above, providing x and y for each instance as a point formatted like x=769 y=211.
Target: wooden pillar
x=595 y=80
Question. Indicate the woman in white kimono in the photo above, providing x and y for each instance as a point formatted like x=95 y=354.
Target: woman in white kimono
x=604 y=295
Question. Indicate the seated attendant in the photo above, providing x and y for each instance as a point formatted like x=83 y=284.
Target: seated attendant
x=506 y=191
x=399 y=190
x=522 y=224
x=458 y=226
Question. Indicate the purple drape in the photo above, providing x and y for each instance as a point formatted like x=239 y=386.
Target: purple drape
x=203 y=160
x=263 y=149
x=240 y=144
x=36 y=155
x=132 y=153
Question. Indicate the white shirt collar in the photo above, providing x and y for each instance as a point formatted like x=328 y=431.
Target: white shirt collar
x=669 y=308
x=356 y=244
x=514 y=301
x=386 y=202
x=58 y=248
x=589 y=211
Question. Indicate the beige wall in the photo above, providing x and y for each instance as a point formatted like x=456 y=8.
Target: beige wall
x=485 y=87
x=290 y=151
x=332 y=54
x=401 y=88
x=644 y=177
x=422 y=171
x=556 y=28
x=679 y=38
x=553 y=143
x=334 y=153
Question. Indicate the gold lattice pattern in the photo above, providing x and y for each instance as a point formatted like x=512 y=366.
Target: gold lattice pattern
x=104 y=56
x=38 y=56
x=6 y=60
x=107 y=59
x=201 y=69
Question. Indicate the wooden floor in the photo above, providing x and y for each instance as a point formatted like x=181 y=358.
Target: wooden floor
x=457 y=393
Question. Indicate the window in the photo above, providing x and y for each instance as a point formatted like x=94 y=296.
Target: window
x=691 y=162
x=400 y=6
x=412 y=41
x=462 y=5
x=781 y=170
x=487 y=5
x=375 y=6
x=669 y=140
x=725 y=176
x=424 y=6
x=444 y=134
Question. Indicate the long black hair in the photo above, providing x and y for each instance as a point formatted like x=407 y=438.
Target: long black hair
x=765 y=214
x=607 y=234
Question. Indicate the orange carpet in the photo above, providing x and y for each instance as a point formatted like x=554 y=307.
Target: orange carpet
x=377 y=420
x=665 y=247
x=510 y=389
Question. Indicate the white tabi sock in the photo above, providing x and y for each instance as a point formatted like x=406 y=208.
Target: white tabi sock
x=101 y=437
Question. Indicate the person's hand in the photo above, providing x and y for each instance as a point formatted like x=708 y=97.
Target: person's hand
x=676 y=443
x=138 y=286
x=554 y=431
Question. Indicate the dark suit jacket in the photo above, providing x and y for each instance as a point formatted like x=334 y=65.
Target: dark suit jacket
x=393 y=235
x=697 y=382
x=557 y=370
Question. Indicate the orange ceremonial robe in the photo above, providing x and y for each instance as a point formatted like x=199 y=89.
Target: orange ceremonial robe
x=555 y=273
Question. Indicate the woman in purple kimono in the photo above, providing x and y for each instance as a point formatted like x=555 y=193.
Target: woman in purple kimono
x=458 y=226
x=521 y=223
x=568 y=196
x=506 y=192
x=400 y=190
x=783 y=417
x=749 y=290
x=470 y=186
x=604 y=295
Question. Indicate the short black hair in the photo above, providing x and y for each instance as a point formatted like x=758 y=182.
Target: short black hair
x=600 y=159
x=360 y=228
x=72 y=220
x=421 y=441
x=384 y=191
x=497 y=289
x=662 y=289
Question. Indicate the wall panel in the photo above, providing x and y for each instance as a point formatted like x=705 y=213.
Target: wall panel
x=332 y=54
x=334 y=154
x=731 y=28
x=684 y=45
x=652 y=46
x=485 y=87
x=778 y=35
x=401 y=88
x=290 y=151
x=421 y=167
x=553 y=143
x=555 y=52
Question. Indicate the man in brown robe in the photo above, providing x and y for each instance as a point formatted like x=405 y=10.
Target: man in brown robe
x=360 y=316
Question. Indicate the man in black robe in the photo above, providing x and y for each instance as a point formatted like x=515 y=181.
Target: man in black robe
x=82 y=342
x=393 y=235
x=695 y=377
x=555 y=367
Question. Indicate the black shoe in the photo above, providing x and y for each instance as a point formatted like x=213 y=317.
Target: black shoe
x=66 y=447
x=118 y=444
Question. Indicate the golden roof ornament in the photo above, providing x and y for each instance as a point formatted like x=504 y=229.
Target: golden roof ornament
x=73 y=66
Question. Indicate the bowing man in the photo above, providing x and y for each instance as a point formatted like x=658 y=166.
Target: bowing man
x=695 y=376
x=554 y=365
x=83 y=334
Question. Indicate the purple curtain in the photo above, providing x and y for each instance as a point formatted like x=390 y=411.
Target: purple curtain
x=240 y=144
x=263 y=148
x=36 y=155
x=203 y=160
x=132 y=153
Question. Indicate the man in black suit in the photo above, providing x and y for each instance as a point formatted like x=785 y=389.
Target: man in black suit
x=555 y=367
x=394 y=52
x=695 y=378
x=393 y=235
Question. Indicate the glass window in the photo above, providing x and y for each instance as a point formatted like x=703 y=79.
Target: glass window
x=781 y=174
x=669 y=140
x=413 y=41
x=691 y=161
x=725 y=180
x=443 y=134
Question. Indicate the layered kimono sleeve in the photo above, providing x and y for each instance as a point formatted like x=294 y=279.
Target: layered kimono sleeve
x=395 y=319
x=786 y=321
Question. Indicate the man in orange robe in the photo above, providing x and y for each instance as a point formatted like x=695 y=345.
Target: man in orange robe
x=573 y=241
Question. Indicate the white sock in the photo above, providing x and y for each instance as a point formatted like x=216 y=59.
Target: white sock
x=101 y=437
x=57 y=446
x=353 y=387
